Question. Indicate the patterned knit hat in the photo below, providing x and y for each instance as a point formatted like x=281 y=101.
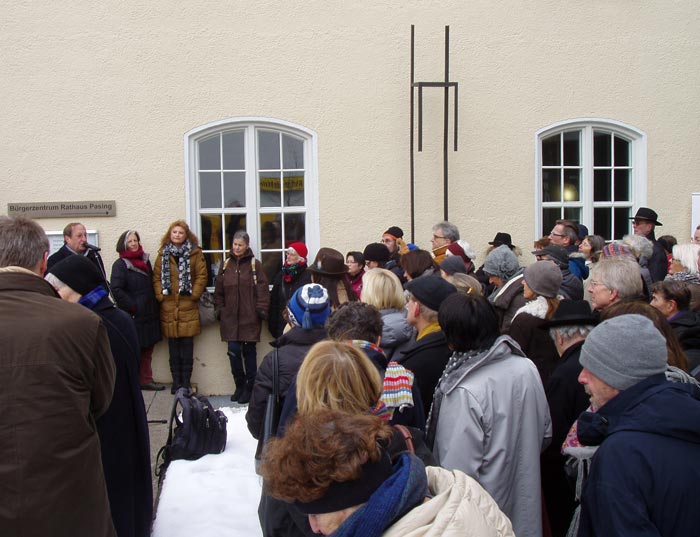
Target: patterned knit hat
x=309 y=306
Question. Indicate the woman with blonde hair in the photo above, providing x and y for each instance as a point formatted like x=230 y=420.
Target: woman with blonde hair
x=351 y=382
x=179 y=279
x=382 y=289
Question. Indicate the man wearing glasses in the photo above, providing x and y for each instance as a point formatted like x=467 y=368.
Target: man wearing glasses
x=643 y=224
x=444 y=234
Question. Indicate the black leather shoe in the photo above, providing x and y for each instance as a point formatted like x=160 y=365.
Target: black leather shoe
x=152 y=387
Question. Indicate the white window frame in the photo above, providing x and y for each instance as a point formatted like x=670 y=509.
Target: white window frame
x=638 y=163
x=250 y=125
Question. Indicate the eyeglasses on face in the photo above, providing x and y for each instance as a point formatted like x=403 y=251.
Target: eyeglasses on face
x=552 y=234
x=438 y=237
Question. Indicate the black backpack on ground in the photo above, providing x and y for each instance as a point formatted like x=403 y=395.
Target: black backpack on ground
x=201 y=431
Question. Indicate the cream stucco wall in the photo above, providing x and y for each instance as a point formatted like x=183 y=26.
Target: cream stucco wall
x=97 y=98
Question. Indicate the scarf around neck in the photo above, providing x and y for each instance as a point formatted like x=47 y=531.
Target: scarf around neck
x=402 y=491
x=291 y=272
x=456 y=361
x=182 y=255
x=137 y=258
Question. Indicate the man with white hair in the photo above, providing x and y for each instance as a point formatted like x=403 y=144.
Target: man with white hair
x=58 y=377
x=612 y=280
x=644 y=476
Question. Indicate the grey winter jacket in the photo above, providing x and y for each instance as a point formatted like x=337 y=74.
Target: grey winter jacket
x=493 y=423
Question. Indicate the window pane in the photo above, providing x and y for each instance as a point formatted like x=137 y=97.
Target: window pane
x=269 y=189
x=233 y=223
x=549 y=217
x=551 y=185
x=572 y=185
x=293 y=189
x=234 y=189
x=294 y=228
x=211 y=238
x=209 y=153
x=571 y=149
x=214 y=262
x=601 y=185
x=292 y=152
x=269 y=150
x=601 y=149
x=270 y=231
x=622 y=152
x=622 y=222
x=602 y=223
x=550 y=151
x=622 y=185
x=233 y=143
x=272 y=263
x=209 y=190
x=573 y=214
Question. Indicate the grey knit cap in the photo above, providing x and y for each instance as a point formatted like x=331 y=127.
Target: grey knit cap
x=452 y=264
x=501 y=262
x=624 y=350
x=544 y=278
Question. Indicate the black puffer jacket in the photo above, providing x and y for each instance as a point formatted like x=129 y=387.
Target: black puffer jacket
x=279 y=296
x=133 y=290
x=292 y=348
x=687 y=327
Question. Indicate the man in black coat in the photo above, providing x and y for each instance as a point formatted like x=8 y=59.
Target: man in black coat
x=75 y=242
x=123 y=428
x=428 y=355
x=567 y=398
x=644 y=223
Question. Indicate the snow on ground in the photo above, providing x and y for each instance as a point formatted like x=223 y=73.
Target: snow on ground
x=216 y=495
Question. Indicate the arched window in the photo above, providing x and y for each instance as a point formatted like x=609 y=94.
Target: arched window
x=591 y=171
x=257 y=175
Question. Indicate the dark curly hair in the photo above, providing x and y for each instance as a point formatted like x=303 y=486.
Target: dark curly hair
x=355 y=320
x=320 y=449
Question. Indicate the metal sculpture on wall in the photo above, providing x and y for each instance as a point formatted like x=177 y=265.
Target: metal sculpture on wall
x=446 y=85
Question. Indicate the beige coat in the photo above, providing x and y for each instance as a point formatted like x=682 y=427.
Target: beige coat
x=179 y=315
x=460 y=507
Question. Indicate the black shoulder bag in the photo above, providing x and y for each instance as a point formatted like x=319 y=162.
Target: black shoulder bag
x=272 y=411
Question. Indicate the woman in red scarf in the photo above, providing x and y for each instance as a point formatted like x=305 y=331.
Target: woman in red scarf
x=133 y=290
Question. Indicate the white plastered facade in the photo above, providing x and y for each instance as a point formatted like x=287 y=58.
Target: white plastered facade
x=98 y=98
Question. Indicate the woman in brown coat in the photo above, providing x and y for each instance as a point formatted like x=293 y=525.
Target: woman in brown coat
x=242 y=298
x=179 y=279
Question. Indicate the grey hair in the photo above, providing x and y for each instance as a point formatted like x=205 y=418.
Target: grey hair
x=570 y=332
x=687 y=254
x=23 y=242
x=619 y=273
x=430 y=315
x=448 y=229
x=243 y=235
x=640 y=246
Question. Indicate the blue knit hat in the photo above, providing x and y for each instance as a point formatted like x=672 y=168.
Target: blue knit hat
x=309 y=306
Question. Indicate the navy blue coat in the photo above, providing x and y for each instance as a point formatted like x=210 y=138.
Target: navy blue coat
x=123 y=431
x=133 y=291
x=645 y=475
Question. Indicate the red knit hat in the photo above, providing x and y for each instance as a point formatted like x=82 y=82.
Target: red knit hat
x=300 y=248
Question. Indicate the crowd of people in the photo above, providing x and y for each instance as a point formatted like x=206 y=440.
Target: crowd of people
x=421 y=393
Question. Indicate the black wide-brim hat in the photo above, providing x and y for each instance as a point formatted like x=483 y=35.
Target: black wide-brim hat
x=502 y=238
x=571 y=313
x=645 y=213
